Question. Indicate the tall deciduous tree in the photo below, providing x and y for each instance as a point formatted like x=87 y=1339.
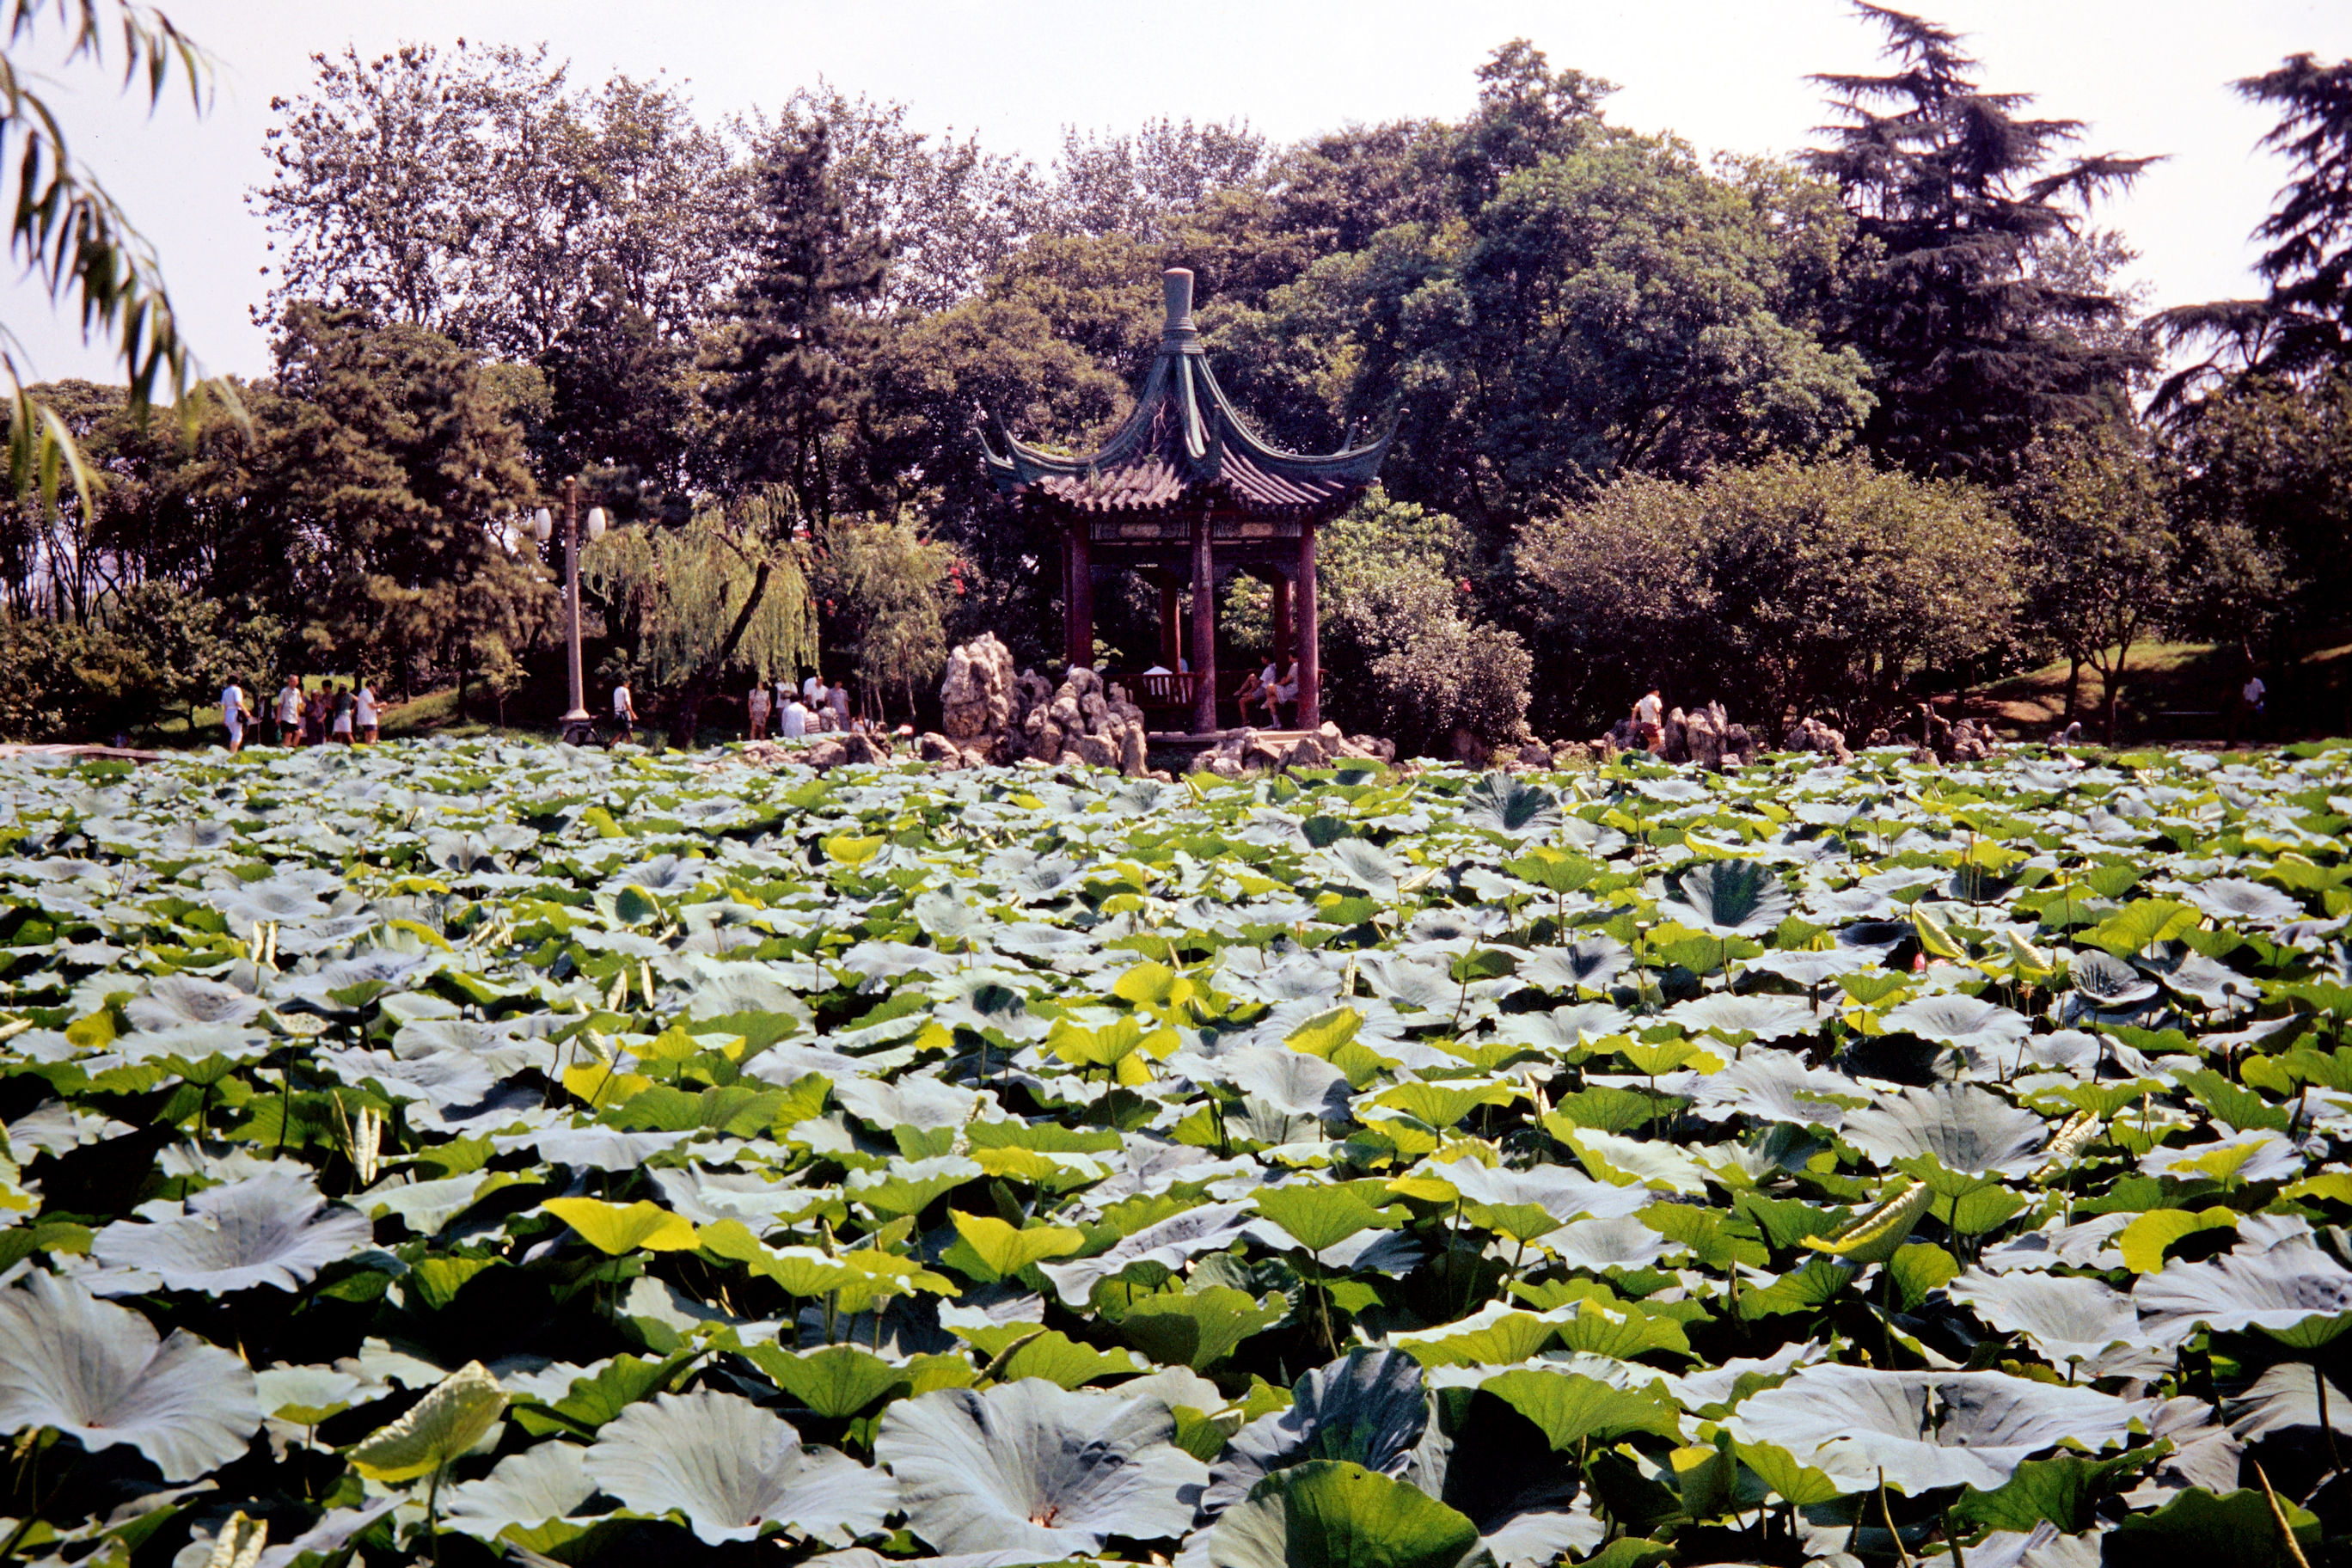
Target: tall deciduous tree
x=621 y=405
x=953 y=214
x=470 y=192
x=2101 y=561
x=1615 y=308
x=2264 y=480
x=1953 y=188
x=1147 y=184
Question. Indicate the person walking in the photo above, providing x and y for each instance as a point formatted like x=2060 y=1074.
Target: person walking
x=314 y=718
x=624 y=711
x=341 y=733
x=365 y=712
x=840 y=700
x=289 y=712
x=234 y=715
x=755 y=707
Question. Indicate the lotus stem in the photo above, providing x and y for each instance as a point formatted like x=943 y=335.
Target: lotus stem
x=2279 y=1521
x=2335 y=1459
x=1887 y=1513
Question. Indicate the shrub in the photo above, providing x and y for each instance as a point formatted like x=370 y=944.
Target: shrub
x=1782 y=589
x=1404 y=652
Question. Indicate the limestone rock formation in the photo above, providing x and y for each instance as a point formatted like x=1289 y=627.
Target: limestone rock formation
x=1969 y=740
x=976 y=698
x=1249 y=751
x=990 y=715
x=1706 y=738
x=1811 y=735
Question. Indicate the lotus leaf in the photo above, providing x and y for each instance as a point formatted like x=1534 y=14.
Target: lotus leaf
x=1029 y=1467
x=101 y=1374
x=452 y=1417
x=1969 y=1129
x=1728 y=898
x=527 y=1488
x=2296 y=1292
x=1368 y=1408
x=734 y=1470
x=1927 y=1429
x=273 y=1230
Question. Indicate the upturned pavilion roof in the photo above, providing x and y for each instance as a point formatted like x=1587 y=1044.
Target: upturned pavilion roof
x=1184 y=445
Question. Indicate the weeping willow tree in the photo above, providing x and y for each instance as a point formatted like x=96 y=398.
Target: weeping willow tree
x=885 y=587
x=730 y=587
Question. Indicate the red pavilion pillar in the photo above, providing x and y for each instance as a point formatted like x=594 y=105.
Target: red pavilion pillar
x=1311 y=673
x=1204 y=626
x=1284 y=643
x=1172 y=626
x=1079 y=611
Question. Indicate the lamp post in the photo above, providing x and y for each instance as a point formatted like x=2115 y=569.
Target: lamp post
x=577 y=724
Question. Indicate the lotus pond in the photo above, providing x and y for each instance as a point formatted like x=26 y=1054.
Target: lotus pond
x=475 y=1151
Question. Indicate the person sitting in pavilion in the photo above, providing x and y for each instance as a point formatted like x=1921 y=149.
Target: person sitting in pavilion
x=1279 y=691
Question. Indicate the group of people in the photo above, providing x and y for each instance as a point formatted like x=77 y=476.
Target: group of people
x=339 y=714
x=813 y=707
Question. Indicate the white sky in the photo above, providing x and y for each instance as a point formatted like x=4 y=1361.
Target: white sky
x=2146 y=75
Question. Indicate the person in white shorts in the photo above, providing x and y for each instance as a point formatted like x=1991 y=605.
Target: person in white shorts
x=234 y=714
x=289 y=713
x=364 y=712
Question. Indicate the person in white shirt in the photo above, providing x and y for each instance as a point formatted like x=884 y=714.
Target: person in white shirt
x=813 y=688
x=625 y=712
x=289 y=713
x=2249 y=711
x=755 y=708
x=794 y=724
x=1286 y=691
x=1650 y=709
x=364 y=714
x=841 y=705
x=234 y=714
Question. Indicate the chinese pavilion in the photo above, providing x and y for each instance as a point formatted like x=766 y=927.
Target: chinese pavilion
x=1184 y=489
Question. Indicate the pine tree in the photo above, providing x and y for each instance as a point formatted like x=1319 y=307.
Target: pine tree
x=2304 y=328
x=789 y=355
x=1975 y=349
x=788 y=348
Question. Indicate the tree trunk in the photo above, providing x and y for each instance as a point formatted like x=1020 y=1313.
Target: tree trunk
x=697 y=690
x=2111 y=687
x=2073 y=688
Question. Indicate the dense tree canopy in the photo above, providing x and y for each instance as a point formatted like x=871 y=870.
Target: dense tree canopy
x=1637 y=383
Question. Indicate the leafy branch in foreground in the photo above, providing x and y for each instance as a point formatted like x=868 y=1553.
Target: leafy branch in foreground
x=65 y=229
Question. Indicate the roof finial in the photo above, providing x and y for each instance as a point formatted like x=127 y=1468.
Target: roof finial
x=1177 y=283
